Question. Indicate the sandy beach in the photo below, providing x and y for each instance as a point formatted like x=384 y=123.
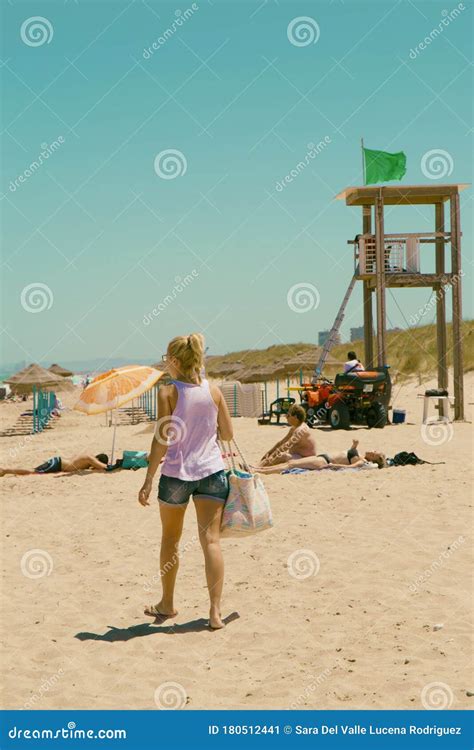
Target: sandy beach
x=359 y=597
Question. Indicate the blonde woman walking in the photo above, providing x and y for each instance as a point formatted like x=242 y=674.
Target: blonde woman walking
x=192 y=415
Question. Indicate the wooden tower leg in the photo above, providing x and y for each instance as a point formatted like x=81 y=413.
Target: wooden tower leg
x=368 y=328
x=380 y=279
x=457 y=307
x=440 y=291
x=367 y=299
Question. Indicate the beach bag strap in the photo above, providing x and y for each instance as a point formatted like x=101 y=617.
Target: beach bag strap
x=227 y=449
x=228 y=458
x=244 y=461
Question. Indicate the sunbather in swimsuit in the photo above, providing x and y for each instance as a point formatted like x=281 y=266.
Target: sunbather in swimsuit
x=326 y=461
x=351 y=454
x=70 y=465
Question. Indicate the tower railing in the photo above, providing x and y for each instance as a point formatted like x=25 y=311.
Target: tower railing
x=401 y=252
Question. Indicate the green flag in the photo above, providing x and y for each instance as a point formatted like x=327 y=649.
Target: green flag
x=380 y=166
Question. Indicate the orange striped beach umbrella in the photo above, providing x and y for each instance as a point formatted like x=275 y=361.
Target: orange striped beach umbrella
x=111 y=390
x=114 y=388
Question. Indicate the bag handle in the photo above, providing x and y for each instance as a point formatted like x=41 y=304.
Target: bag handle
x=244 y=461
x=229 y=455
x=226 y=451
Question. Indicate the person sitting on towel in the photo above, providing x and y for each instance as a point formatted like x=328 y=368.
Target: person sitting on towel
x=70 y=465
x=297 y=443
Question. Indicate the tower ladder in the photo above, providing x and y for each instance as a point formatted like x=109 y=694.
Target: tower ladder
x=331 y=339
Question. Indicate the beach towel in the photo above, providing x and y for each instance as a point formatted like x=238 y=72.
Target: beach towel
x=247 y=508
x=295 y=471
x=364 y=467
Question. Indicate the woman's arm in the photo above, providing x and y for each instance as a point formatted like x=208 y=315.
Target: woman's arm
x=356 y=462
x=159 y=445
x=225 y=429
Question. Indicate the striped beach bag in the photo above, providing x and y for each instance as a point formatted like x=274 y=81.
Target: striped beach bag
x=247 y=509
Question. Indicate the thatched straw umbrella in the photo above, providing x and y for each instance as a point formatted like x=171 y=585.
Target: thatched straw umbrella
x=258 y=375
x=223 y=369
x=35 y=376
x=62 y=371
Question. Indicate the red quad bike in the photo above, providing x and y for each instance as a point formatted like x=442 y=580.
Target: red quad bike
x=359 y=397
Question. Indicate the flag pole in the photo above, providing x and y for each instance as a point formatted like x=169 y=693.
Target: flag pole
x=363 y=158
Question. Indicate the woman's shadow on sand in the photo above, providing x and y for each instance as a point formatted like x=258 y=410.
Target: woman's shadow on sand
x=139 y=631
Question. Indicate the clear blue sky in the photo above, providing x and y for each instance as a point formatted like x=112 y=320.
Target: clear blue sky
x=108 y=237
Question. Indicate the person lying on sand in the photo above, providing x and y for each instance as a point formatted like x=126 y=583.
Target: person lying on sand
x=327 y=461
x=70 y=465
x=297 y=443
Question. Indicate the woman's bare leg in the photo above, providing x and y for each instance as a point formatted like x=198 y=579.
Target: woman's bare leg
x=172 y=518
x=308 y=462
x=209 y=516
x=272 y=469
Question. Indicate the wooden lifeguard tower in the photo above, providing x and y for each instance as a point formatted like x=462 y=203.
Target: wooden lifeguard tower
x=394 y=260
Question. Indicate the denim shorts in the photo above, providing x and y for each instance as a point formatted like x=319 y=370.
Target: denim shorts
x=174 y=491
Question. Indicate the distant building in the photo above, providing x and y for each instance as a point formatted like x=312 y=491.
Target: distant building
x=323 y=336
x=357 y=334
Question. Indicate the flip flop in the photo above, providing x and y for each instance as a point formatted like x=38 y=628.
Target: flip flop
x=153 y=612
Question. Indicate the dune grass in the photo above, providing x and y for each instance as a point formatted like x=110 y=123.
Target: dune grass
x=411 y=352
